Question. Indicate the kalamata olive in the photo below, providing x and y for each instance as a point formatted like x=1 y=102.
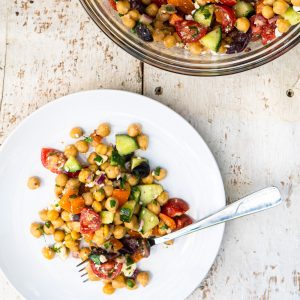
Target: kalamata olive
x=138 y=5
x=182 y=221
x=239 y=42
x=76 y=218
x=143 y=33
x=130 y=245
x=142 y=170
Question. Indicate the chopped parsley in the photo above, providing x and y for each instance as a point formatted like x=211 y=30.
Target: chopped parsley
x=129 y=261
x=194 y=30
x=117 y=159
x=170 y=8
x=56 y=205
x=206 y=14
x=164 y=227
x=48 y=224
x=123 y=181
x=112 y=203
x=88 y=139
x=121 y=15
x=107 y=245
x=157 y=171
x=130 y=283
x=73 y=196
x=95 y=258
x=41 y=229
x=98 y=159
x=56 y=249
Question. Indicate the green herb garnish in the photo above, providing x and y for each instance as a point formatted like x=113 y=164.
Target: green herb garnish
x=56 y=249
x=107 y=245
x=88 y=139
x=112 y=203
x=121 y=15
x=130 y=283
x=123 y=181
x=129 y=261
x=98 y=159
x=164 y=227
x=95 y=258
x=56 y=205
x=206 y=13
x=73 y=196
x=157 y=171
x=48 y=224
x=117 y=159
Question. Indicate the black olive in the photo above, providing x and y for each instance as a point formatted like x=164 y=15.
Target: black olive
x=128 y=157
x=76 y=218
x=138 y=5
x=142 y=170
x=143 y=32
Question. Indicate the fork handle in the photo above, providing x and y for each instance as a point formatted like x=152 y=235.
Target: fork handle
x=256 y=202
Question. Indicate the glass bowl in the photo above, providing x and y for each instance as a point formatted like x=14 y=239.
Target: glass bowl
x=179 y=60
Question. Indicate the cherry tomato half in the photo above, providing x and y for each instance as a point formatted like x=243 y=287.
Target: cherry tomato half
x=268 y=33
x=113 y=4
x=183 y=221
x=108 y=270
x=175 y=207
x=257 y=23
x=53 y=160
x=90 y=221
x=190 y=31
x=228 y=2
x=225 y=16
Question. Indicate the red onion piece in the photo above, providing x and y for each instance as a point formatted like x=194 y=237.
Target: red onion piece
x=145 y=19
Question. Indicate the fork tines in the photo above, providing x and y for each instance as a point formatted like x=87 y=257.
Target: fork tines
x=83 y=269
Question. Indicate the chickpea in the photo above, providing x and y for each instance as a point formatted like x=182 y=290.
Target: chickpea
x=48 y=228
x=76 y=132
x=268 y=2
x=68 y=237
x=73 y=184
x=101 y=149
x=195 y=48
x=119 y=282
x=44 y=215
x=148 y=180
x=93 y=168
x=48 y=253
x=98 y=240
x=109 y=151
x=52 y=215
x=133 y=224
x=59 y=236
x=134 y=129
x=84 y=253
x=154 y=207
x=58 y=190
x=86 y=176
x=117 y=219
x=104 y=128
x=70 y=150
x=75 y=235
x=88 y=198
x=111 y=204
x=143 y=278
x=122 y=7
x=158 y=25
x=242 y=24
x=151 y=10
x=71 y=244
x=158 y=35
x=59 y=222
x=296 y=2
x=163 y=198
x=143 y=140
x=108 y=288
x=65 y=216
x=134 y=15
x=132 y=180
x=163 y=16
x=33 y=182
x=146 y=2
x=104 y=166
x=112 y=172
x=36 y=229
x=169 y=41
x=280 y=7
x=76 y=226
x=97 y=206
x=82 y=146
x=159 y=174
x=61 y=180
x=283 y=25
x=119 y=232
x=108 y=190
x=267 y=12
x=128 y=22
x=91 y=158
x=96 y=139
x=99 y=195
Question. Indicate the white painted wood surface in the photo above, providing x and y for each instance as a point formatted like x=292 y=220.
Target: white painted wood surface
x=51 y=48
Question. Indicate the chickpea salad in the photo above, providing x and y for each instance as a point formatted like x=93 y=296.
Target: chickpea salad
x=202 y=26
x=108 y=202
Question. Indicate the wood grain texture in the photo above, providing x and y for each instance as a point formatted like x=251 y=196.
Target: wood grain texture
x=51 y=48
x=253 y=129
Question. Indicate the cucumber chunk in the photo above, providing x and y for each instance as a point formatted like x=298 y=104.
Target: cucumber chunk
x=125 y=144
x=148 y=219
x=72 y=165
x=149 y=192
x=204 y=15
x=107 y=217
x=213 y=39
x=292 y=16
x=126 y=211
x=243 y=9
x=136 y=161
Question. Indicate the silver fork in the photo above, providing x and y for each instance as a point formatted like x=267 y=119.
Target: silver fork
x=256 y=202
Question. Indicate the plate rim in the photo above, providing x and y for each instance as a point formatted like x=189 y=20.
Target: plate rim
x=147 y=99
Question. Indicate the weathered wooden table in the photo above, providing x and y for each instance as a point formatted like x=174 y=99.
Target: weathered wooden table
x=252 y=125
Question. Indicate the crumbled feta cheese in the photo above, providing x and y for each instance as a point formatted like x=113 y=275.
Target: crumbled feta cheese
x=277 y=33
x=61 y=250
x=169 y=230
x=103 y=259
x=91 y=184
x=196 y=5
x=189 y=17
x=128 y=270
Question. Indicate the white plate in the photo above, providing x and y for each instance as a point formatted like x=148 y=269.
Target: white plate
x=192 y=175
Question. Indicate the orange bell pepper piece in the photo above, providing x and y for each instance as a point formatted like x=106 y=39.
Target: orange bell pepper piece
x=169 y=221
x=121 y=195
x=175 y=18
x=137 y=256
x=133 y=233
x=185 y=6
x=77 y=205
x=71 y=203
x=116 y=244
